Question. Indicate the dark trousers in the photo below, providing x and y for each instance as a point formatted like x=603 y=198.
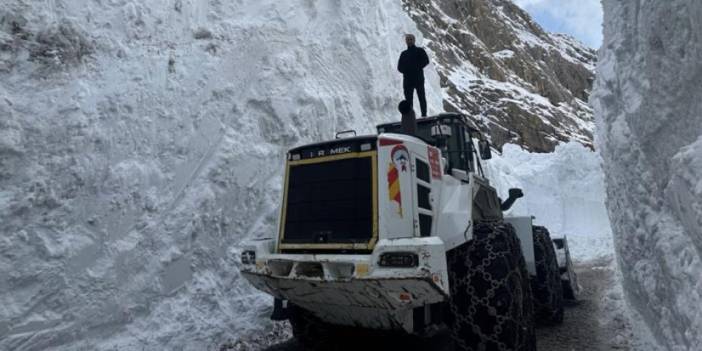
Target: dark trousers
x=409 y=87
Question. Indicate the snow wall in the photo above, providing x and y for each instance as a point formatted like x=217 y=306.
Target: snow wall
x=648 y=105
x=141 y=141
x=563 y=190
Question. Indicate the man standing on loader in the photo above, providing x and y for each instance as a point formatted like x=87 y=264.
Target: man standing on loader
x=411 y=64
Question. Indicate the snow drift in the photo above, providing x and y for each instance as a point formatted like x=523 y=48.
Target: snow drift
x=563 y=190
x=141 y=141
x=648 y=104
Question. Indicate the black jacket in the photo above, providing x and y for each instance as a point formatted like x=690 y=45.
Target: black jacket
x=412 y=62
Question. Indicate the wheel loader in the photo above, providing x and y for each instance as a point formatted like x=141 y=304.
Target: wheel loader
x=404 y=233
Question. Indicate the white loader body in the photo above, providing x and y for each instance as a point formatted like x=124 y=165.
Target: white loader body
x=420 y=209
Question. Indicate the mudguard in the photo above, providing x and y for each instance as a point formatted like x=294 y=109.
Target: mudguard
x=523 y=228
x=569 y=279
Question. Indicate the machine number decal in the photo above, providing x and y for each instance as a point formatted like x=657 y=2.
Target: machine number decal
x=434 y=162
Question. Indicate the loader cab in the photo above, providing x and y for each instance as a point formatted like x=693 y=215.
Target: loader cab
x=451 y=133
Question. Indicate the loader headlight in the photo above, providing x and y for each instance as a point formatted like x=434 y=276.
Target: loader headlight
x=399 y=259
x=248 y=257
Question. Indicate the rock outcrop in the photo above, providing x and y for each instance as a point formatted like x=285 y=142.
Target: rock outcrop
x=521 y=84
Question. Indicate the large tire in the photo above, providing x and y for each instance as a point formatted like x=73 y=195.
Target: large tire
x=546 y=286
x=491 y=301
x=310 y=331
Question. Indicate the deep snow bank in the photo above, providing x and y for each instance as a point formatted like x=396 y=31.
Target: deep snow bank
x=564 y=190
x=648 y=104
x=141 y=141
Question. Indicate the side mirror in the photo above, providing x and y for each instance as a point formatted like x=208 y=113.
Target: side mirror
x=484 y=149
x=514 y=194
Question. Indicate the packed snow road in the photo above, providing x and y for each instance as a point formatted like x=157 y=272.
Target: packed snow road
x=597 y=321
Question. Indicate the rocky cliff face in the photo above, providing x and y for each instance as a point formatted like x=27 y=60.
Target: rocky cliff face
x=522 y=84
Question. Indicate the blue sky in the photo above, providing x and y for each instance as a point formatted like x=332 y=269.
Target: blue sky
x=579 y=18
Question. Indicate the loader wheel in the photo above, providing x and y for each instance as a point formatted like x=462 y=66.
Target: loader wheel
x=310 y=331
x=546 y=286
x=491 y=304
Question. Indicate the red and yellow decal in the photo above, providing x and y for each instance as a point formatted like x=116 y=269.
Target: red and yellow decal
x=394 y=187
x=400 y=158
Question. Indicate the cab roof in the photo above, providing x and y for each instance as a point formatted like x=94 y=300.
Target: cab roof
x=354 y=143
x=446 y=118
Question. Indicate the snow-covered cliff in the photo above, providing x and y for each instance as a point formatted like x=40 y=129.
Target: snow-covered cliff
x=140 y=141
x=648 y=104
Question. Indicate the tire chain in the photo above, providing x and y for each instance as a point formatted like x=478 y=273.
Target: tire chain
x=547 y=287
x=490 y=307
